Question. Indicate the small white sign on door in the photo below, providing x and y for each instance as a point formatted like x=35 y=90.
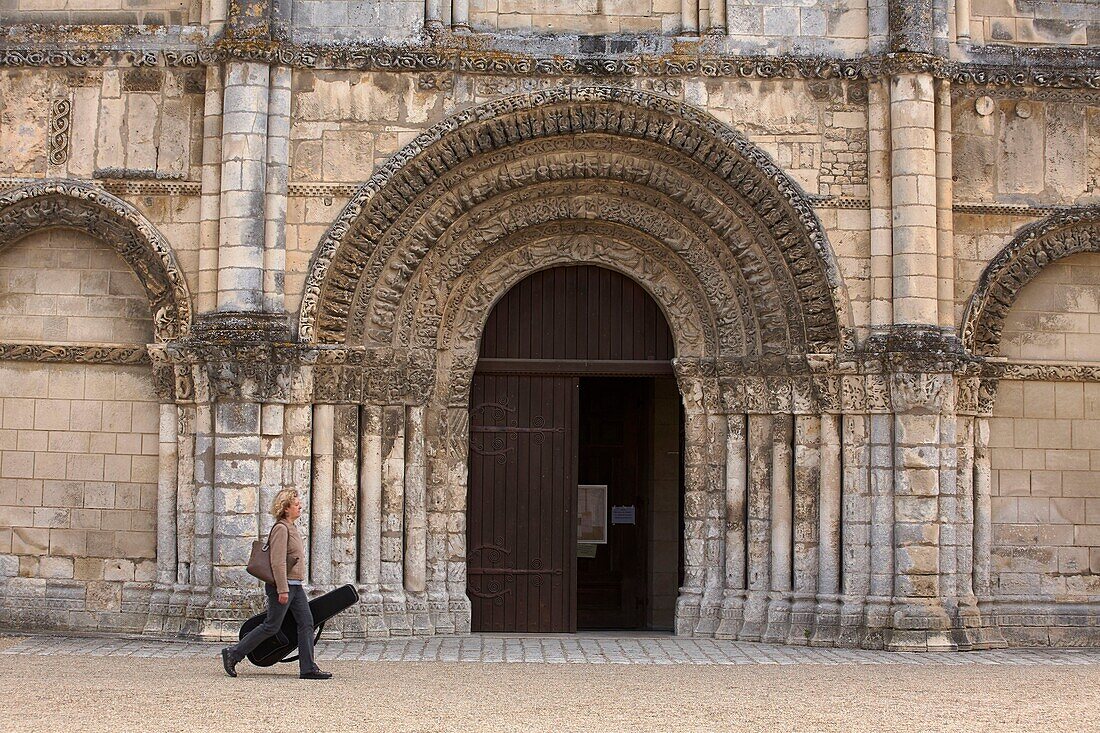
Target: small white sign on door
x=622 y=515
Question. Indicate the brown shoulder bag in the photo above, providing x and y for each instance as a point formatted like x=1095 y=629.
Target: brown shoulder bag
x=259 y=561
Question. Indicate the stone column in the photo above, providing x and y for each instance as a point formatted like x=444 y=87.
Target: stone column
x=298 y=463
x=714 y=510
x=881 y=552
x=689 y=602
x=393 y=520
x=185 y=520
x=457 y=451
x=167 y=484
x=914 y=198
x=988 y=636
x=236 y=514
x=782 y=531
x=807 y=490
x=878 y=163
x=758 y=530
x=855 y=510
x=736 y=485
x=689 y=12
x=433 y=15
x=416 y=524
x=827 y=626
x=275 y=188
x=321 y=496
x=717 y=24
x=345 y=452
x=460 y=15
x=272 y=448
x=437 y=502
x=945 y=222
x=202 y=566
x=243 y=183
x=370 y=520
x=206 y=299
x=167 y=527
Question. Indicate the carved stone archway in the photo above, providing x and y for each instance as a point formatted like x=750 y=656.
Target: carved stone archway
x=1033 y=248
x=73 y=205
x=725 y=243
x=702 y=170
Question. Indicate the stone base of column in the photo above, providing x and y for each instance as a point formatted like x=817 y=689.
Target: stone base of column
x=779 y=618
x=803 y=619
x=688 y=607
x=918 y=625
x=876 y=616
x=975 y=629
x=851 y=630
x=226 y=610
x=755 y=616
x=461 y=612
x=730 y=615
x=710 y=613
x=439 y=613
x=372 y=614
x=827 y=623
x=417 y=609
x=159 y=610
x=395 y=614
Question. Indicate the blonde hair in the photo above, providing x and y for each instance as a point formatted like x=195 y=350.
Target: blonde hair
x=282 y=502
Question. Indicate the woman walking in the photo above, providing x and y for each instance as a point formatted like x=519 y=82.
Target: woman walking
x=288 y=566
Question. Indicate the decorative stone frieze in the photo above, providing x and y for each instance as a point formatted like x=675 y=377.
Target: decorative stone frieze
x=1044 y=72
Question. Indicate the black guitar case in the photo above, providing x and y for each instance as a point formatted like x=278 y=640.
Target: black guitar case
x=276 y=648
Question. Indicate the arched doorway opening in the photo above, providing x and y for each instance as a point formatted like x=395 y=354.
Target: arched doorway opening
x=575 y=470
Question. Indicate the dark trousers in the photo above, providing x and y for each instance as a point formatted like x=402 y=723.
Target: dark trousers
x=298 y=605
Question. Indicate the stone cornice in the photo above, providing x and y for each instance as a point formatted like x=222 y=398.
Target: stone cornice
x=1042 y=71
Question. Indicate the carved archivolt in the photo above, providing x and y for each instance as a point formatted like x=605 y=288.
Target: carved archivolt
x=105 y=217
x=1034 y=247
x=715 y=206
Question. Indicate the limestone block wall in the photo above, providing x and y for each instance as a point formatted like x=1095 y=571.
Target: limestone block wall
x=78 y=442
x=1034 y=22
x=63 y=286
x=127 y=123
x=327 y=20
x=580 y=16
x=103 y=12
x=1014 y=150
x=1045 y=442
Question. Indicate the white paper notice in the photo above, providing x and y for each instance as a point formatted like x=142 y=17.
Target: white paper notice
x=622 y=515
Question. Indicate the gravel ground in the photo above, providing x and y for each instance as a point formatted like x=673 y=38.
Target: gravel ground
x=86 y=694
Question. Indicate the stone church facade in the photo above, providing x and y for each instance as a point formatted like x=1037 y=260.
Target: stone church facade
x=252 y=244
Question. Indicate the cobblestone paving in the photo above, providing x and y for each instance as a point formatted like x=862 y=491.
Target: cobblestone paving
x=582 y=649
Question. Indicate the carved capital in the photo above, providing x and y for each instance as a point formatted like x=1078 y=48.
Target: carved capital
x=918 y=392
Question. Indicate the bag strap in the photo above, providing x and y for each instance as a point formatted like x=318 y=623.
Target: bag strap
x=270 y=532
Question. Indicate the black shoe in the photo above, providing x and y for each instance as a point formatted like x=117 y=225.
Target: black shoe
x=228 y=663
x=315 y=675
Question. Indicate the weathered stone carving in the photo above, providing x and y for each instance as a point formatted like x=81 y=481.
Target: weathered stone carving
x=61 y=117
x=1045 y=72
x=356 y=252
x=72 y=354
x=1035 y=246
x=70 y=204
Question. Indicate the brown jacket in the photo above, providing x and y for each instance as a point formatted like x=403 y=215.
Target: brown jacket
x=287 y=554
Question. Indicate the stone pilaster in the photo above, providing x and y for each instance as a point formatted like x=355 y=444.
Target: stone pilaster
x=919 y=621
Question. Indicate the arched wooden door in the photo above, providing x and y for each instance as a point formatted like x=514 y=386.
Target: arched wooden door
x=549 y=332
